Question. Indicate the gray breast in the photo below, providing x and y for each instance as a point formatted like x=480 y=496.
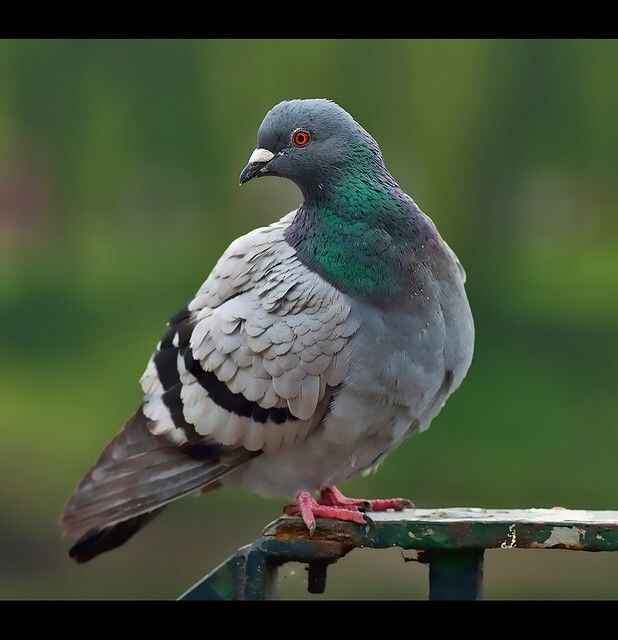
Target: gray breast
x=414 y=356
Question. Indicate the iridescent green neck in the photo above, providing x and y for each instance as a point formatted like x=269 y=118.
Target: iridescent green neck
x=357 y=232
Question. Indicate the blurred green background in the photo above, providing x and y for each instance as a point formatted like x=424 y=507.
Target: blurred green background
x=119 y=164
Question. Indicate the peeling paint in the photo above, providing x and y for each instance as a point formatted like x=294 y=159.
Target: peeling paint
x=566 y=536
x=512 y=541
x=450 y=530
x=462 y=532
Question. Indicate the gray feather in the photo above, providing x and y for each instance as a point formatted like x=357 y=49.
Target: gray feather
x=139 y=472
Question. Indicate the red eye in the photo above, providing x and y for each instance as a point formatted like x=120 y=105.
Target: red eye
x=301 y=138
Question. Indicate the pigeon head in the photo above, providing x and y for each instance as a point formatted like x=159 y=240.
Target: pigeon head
x=355 y=225
x=311 y=142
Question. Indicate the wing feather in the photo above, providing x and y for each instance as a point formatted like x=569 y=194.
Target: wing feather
x=258 y=350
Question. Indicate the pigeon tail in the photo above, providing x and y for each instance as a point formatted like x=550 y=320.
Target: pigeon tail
x=137 y=474
x=97 y=541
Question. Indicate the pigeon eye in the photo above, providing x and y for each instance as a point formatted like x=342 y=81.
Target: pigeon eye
x=301 y=138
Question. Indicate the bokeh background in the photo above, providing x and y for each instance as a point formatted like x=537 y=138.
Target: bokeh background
x=119 y=164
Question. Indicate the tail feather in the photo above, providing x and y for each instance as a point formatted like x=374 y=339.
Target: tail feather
x=98 y=541
x=134 y=478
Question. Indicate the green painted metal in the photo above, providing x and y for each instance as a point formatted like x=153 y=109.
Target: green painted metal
x=452 y=541
x=455 y=575
x=250 y=574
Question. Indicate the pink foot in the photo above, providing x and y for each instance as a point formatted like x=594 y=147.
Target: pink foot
x=332 y=497
x=309 y=509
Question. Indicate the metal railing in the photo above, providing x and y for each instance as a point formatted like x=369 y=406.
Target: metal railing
x=451 y=541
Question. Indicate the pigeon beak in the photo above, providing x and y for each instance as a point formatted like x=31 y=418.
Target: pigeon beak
x=257 y=162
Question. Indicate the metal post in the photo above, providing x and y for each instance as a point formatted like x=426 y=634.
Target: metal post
x=455 y=575
x=316 y=577
x=248 y=575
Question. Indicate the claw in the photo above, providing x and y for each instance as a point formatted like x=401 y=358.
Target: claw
x=333 y=497
x=309 y=509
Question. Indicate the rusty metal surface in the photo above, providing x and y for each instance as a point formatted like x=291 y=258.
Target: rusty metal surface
x=452 y=541
x=459 y=528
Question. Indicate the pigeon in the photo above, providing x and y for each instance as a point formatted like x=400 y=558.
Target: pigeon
x=316 y=346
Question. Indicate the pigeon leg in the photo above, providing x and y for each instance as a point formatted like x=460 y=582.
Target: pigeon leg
x=332 y=497
x=309 y=509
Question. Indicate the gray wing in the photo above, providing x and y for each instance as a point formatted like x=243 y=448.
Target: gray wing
x=253 y=359
x=248 y=366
